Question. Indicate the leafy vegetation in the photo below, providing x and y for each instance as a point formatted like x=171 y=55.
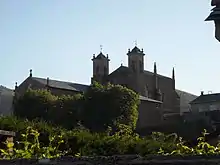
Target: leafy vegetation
x=98 y=108
x=81 y=142
x=99 y=122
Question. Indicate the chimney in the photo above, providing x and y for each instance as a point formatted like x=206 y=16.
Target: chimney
x=202 y=93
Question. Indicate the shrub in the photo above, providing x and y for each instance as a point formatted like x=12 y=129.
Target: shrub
x=41 y=104
x=108 y=105
x=99 y=107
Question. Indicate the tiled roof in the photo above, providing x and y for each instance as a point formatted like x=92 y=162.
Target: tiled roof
x=207 y=98
x=62 y=84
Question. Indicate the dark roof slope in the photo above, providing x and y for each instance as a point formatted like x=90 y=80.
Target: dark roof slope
x=126 y=70
x=185 y=98
x=62 y=84
x=5 y=89
x=207 y=98
x=101 y=56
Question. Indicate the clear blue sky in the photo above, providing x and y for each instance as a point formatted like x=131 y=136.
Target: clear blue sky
x=57 y=38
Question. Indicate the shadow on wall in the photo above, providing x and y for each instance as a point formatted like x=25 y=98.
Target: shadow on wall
x=6 y=101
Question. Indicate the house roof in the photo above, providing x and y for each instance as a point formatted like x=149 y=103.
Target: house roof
x=206 y=98
x=62 y=84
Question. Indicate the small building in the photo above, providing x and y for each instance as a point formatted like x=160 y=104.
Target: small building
x=206 y=103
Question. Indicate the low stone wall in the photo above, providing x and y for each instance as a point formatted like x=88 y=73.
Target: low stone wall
x=121 y=160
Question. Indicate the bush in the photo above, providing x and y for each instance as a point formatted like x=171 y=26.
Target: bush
x=41 y=104
x=44 y=140
x=108 y=105
x=99 y=107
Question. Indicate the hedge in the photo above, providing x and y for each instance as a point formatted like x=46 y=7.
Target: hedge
x=82 y=142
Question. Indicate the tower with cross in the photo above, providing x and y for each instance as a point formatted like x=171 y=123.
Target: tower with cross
x=136 y=59
x=100 y=66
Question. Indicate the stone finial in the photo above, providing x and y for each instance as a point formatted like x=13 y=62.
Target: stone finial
x=16 y=85
x=173 y=74
x=30 y=73
x=155 y=68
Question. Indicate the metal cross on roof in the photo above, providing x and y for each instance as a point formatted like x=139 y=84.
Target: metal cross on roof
x=101 y=48
x=135 y=42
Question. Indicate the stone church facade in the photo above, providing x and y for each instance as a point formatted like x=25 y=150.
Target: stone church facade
x=148 y=84
x=157 y=92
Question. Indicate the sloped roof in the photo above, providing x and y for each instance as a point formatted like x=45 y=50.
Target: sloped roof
x=75 y=86
x=207 y=98
x=6 y=90
x=126 y=70
x=136 y=50
x=185 y=98
x=62 y=84
x=100 y=56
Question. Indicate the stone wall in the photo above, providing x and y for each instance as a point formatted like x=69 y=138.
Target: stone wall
x=121 y=160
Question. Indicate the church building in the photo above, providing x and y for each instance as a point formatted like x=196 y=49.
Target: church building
x=158 y=94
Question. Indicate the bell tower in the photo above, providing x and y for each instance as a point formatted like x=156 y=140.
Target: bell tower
x=136 y=59
x=100 y=67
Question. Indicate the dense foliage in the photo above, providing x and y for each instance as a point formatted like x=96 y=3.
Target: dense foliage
x=98 y=108
x=109 y=105
x=81 y=142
